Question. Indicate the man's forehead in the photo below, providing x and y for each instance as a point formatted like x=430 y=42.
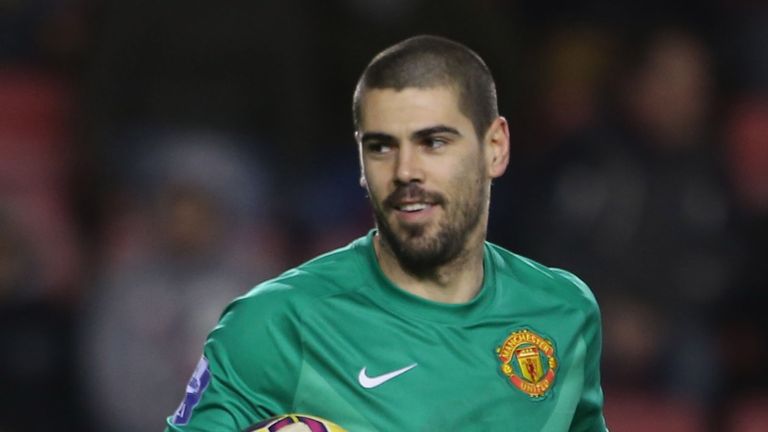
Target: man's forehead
x=382 y=106
x=434 y=89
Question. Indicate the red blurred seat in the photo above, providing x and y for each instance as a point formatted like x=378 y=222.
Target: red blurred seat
x=643 y=412
x=750 y=415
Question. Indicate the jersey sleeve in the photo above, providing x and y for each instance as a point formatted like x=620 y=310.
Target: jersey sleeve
x=589 y=411
x=248 y=371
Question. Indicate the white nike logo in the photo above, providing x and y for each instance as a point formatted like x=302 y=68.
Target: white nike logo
x=371 y=382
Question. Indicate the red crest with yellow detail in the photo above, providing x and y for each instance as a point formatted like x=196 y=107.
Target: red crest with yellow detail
x=528 y=361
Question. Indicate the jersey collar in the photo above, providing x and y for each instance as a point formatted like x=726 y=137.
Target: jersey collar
x=396 y=299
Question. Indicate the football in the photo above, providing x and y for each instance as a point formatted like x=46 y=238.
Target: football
x=295 y=423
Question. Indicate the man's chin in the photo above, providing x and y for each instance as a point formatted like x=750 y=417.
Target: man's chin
x=422 y=245
x=412 y=230
x=415 y=235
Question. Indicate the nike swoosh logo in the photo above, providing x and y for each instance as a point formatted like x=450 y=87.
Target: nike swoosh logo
x=371 y=382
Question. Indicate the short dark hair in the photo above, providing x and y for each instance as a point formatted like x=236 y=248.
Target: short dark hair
x=431 y=61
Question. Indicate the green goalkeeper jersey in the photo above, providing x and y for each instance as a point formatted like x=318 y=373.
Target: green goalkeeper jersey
x=336 y=339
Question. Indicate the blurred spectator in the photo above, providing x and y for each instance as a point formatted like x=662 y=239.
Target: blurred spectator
x=564 y=91
x=329 y=206
x=41 y=251
x=35 y=173
x=573 y=75
x=197 y=235
x=743 y=334
x=638 y=206
x=747 y=144
x=35 y=336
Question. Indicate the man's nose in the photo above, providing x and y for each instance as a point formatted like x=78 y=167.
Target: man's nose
x=409 y=165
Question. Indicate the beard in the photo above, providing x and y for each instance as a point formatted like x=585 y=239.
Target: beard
x=418 y=252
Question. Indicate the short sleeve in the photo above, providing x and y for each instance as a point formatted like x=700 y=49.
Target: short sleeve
x=248 y=371
x=589 y=411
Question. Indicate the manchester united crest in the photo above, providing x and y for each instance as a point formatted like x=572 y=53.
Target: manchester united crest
x=528 y=361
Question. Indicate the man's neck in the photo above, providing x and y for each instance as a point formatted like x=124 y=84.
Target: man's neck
x=457 y=281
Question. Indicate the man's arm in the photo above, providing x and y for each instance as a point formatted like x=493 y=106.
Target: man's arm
x=248 y=369
x=589 y=412
x=588 y=416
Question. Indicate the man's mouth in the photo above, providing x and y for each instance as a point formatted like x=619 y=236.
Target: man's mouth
x=412 y=207
x=412 y=199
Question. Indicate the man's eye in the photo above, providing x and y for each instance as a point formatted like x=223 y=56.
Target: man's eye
x=435 y=142
x=378 y=147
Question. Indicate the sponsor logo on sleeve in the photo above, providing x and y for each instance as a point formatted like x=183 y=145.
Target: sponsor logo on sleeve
x=195 y=388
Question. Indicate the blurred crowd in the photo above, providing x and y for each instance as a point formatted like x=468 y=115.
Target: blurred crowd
x=158 y=159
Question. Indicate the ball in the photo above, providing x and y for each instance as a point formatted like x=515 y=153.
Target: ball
x=295 y=423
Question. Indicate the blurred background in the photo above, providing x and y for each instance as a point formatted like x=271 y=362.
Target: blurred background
x=159 y=158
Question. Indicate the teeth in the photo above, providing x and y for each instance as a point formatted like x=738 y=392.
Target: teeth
x=413 y=207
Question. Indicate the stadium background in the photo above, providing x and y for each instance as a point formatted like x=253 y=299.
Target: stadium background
x=159 y=158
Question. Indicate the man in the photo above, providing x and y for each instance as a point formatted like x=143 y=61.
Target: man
x=421 y=325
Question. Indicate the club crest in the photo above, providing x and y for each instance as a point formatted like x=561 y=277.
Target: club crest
x=528 y=361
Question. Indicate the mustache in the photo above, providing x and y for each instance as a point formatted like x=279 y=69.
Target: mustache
x=413 y=192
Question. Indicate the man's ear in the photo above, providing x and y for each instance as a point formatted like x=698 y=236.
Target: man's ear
x=363 y=181
x=497 y=147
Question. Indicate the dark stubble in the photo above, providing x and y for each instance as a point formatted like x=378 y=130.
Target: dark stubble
x=418 y=253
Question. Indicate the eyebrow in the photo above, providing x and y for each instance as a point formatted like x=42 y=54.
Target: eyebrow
x=424 y=133
x=417 y=135
x=376 y=136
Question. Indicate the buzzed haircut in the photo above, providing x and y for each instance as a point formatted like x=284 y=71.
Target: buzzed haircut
x=431 y=61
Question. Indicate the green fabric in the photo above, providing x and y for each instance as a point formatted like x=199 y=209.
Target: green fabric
x=297 y=343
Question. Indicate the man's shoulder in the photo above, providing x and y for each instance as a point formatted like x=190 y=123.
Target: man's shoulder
x=285 y=299
x=539 y=277
x=332 y=273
